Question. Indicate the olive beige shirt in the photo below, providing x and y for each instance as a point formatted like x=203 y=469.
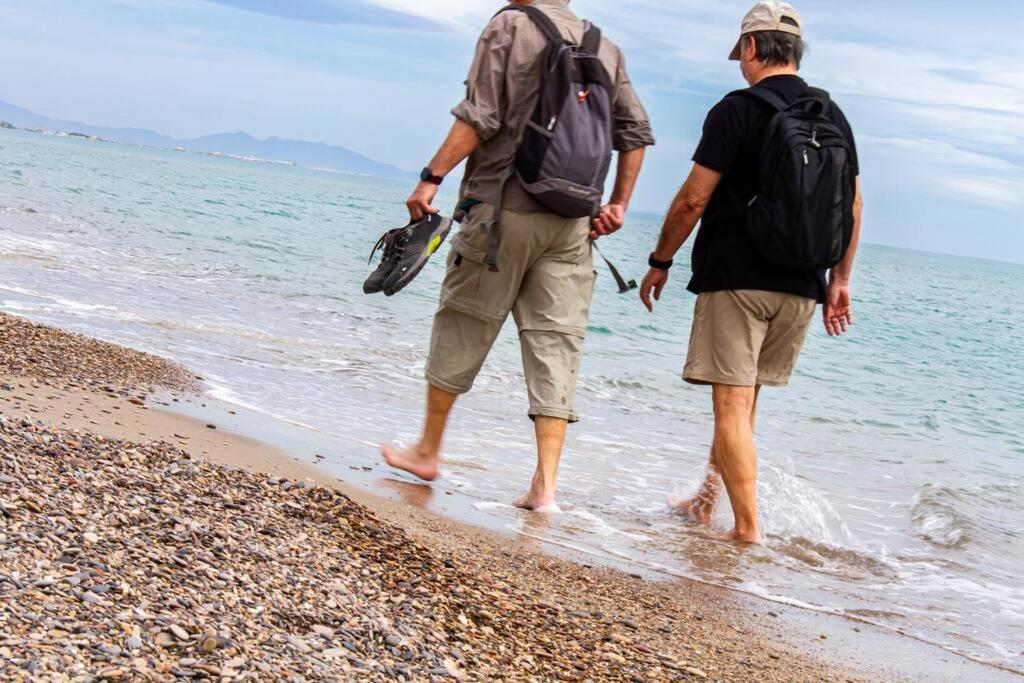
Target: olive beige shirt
x=502 y=90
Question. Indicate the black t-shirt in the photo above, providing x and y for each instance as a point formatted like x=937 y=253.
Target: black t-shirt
x=724 y=256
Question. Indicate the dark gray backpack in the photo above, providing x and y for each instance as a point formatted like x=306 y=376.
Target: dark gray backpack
x=565 y=152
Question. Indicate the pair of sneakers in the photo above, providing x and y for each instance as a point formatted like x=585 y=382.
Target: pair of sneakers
x=406 y=251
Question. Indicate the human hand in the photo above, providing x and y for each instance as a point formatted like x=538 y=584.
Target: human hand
x=654 y=282
x=610 y=219
x=837 y=313
x=419 y=202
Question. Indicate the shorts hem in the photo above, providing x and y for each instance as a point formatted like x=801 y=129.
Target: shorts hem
x=705 y=379
x=556 y=413
x=766 y=382
x=434 y=381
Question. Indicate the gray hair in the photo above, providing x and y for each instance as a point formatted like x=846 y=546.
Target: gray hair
x=778 y=48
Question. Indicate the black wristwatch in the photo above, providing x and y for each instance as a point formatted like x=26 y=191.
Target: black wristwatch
x=660 y=265
x=427 y=176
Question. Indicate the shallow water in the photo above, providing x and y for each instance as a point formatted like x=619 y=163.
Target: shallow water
x=892 y=470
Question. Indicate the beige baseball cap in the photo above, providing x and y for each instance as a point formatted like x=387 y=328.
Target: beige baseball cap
x=769 y=15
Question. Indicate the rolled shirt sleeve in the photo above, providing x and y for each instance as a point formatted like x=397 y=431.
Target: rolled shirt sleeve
x=631 y=128
x=484 y=105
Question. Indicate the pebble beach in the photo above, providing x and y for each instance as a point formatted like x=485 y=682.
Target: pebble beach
x=186 y=557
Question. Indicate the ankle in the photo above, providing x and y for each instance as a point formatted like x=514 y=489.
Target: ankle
x=426 y=452
x=544 y=486
x=748 y=530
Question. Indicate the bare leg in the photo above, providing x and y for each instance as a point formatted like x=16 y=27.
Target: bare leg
x=701 y=506
x=736 y=456
x=550 y=437
x=422 y=459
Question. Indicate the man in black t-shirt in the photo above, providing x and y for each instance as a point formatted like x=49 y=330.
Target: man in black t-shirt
x=751 y=315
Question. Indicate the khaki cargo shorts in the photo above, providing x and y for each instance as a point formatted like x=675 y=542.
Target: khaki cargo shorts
x=545 y=279
x=747 y=337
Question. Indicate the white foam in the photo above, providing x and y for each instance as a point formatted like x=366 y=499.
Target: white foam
x=223 y=393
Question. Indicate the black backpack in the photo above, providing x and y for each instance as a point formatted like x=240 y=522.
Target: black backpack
x=802 y=214
x=565 y=151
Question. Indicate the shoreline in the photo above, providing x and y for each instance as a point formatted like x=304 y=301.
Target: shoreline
x=663 y=629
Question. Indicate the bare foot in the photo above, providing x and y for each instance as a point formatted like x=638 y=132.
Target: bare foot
x=537 y=502
x=412 y=460
x=734 y=536
x=698 y=508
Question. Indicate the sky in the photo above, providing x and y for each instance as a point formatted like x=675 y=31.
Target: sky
x=934 y=90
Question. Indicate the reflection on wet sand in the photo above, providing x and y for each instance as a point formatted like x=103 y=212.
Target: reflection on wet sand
x=411 y=493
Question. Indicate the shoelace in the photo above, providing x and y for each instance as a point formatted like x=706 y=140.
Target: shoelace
x=393 y=243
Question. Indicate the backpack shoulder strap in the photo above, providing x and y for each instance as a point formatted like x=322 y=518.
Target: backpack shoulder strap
x=766 y=96
x=542 y=21
x=819 y=93
x=591 y=39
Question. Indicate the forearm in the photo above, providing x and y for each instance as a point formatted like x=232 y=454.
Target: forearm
x=626 y=174
x=682 y=218
x=462 y=141
x=844 y=269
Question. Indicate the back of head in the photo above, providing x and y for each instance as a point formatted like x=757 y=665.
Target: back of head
x=771 y=36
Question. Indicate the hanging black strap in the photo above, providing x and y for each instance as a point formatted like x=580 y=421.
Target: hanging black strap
x=493 y=226
x=542 y=21
x=624 y=287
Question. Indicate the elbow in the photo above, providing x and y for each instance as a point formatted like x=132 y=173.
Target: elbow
x=858 y=208
x=693 y=203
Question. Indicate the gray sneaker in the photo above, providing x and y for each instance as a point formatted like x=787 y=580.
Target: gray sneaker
x=388 y=261
x=414 y=246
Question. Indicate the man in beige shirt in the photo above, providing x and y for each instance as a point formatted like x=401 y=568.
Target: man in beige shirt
x=544 y=275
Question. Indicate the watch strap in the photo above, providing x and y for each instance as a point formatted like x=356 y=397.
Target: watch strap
x=660 y=265
x=427 y=176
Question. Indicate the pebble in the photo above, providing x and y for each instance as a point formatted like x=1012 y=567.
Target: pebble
x=135 y=561
x=90 y=598
x=298 y=643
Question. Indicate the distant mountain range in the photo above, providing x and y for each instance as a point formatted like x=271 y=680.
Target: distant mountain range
x=309 y=154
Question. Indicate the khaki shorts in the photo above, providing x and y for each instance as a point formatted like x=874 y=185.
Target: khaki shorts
x=545 y=279
x=747 y=337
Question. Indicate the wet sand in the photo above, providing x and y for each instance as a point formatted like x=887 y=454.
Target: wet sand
x=426 y=595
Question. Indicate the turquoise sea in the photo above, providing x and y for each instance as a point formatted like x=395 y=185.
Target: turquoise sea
x=892 y=470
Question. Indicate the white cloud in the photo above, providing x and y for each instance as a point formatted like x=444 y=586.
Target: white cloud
x=464 y=13
x=994 y=192
x=933 y=151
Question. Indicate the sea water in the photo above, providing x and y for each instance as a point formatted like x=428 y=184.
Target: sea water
x=891 y=470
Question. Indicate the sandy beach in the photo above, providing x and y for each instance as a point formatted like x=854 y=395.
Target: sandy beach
x=138 y=543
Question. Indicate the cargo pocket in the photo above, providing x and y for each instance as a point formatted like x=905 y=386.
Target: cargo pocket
x=462 y=281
